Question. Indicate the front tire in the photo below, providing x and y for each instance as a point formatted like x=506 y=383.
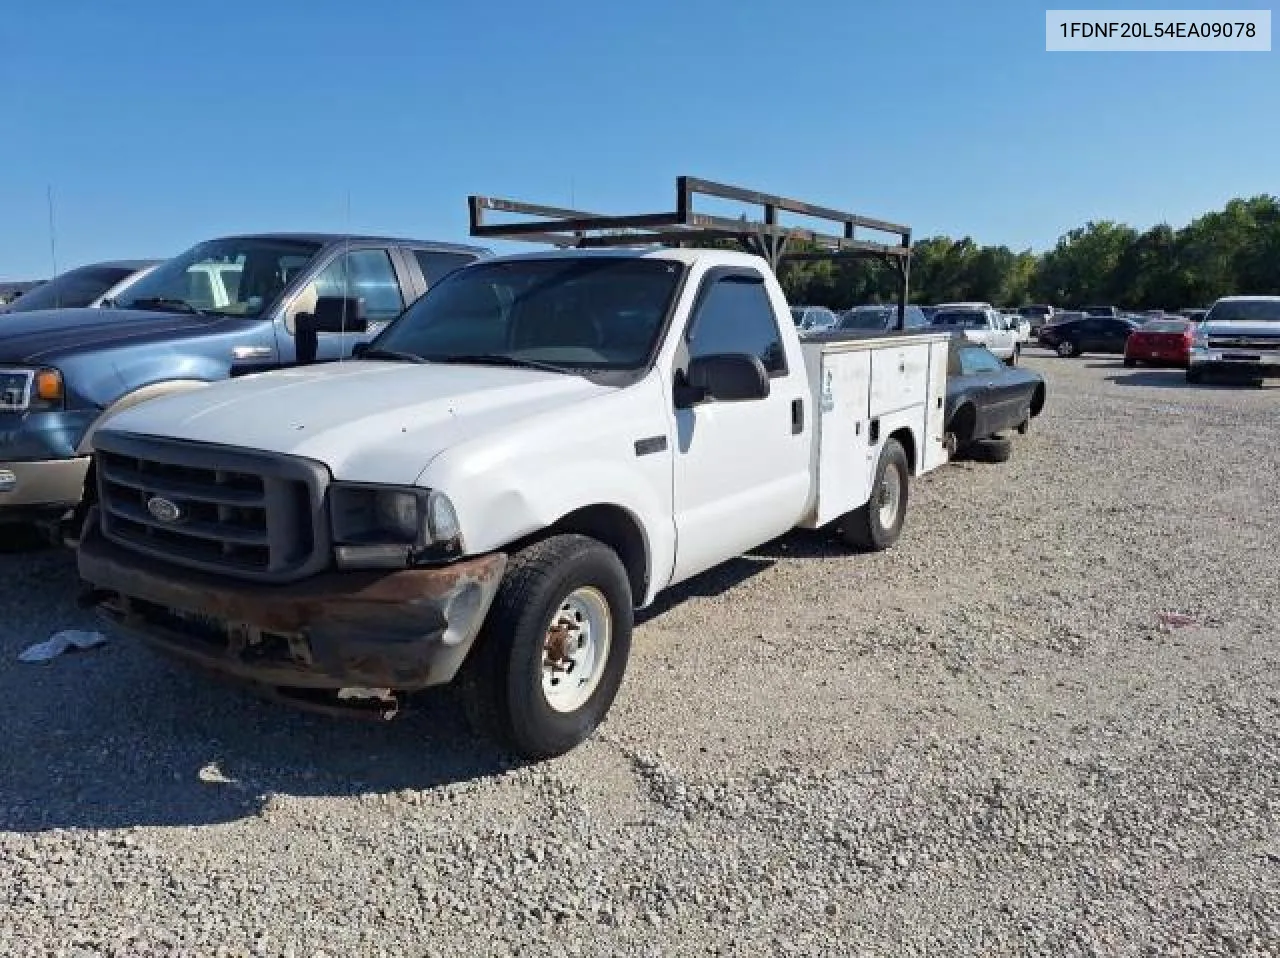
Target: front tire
x=554 y=647
x=877 y=525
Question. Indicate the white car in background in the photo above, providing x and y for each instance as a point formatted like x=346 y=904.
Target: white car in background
x=1020 y=325
x=981 y=325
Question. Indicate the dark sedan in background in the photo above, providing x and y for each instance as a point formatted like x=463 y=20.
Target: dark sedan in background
x=985 y=398
x=79 y=287
x=1090 y=334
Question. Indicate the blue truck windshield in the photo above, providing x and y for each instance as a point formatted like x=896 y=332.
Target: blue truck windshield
x=241 y=276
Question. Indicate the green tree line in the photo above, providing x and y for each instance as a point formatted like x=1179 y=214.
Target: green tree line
x=1232 y=251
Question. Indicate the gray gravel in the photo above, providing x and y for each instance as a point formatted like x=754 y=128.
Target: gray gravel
x=983 y=742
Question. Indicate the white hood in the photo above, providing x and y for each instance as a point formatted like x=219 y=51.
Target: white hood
x=367 y=421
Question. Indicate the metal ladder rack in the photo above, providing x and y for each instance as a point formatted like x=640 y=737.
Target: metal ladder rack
x=683 y=226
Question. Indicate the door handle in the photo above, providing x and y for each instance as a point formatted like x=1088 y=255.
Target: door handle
x=797 y=416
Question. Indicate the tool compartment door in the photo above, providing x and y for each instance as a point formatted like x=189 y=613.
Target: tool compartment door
x=844 y=456
x=935 y=450
x=899 y=378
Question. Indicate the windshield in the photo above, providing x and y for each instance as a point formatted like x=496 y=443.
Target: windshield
x=1165 y=326
x=227 y=277
x=583 y=313
x=961 y=319
x=74 y=288
x=868 y=317
x=1267 y=310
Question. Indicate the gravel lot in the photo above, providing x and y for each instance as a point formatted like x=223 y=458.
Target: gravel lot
x=983 y=742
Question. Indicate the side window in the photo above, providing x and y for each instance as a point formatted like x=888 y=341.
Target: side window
x=735 y=316
x=436 y=265
x=363 y=273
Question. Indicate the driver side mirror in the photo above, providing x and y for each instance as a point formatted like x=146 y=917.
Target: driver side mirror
x=339 y=314
x=333 y=314
x=722 y=377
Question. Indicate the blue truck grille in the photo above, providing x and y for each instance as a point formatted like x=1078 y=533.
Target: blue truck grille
x=247 y=514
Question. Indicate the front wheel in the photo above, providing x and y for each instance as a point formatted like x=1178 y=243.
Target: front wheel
x=877 y=525
x=554 y=648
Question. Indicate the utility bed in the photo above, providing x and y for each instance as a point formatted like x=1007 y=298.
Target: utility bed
x=866 y=387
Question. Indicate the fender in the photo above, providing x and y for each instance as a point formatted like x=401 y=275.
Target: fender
x=504 y=506
x=131 y=399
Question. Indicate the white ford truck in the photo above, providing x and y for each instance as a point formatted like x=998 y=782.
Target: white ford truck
x=535 y=449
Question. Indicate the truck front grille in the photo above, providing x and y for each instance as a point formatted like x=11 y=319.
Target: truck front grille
x=1251 y=343
x=253 y=515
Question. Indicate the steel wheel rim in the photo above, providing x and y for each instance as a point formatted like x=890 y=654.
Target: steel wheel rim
x=889 y=496
x=1064 y=348
x=575 y=649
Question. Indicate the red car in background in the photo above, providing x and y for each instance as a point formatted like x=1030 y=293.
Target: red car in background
x=1161 y=342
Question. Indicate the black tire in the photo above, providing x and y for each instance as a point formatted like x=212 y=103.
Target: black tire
x=1066 y=349
x=502 y=679
x=1194 y=375
x=993 y=450
x=1013 y=360
x=863 y=528
x=1130 y=363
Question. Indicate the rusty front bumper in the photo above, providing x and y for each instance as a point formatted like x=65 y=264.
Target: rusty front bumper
x=400 y=630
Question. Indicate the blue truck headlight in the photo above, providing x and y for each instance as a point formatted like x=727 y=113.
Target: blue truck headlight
x=391 y=526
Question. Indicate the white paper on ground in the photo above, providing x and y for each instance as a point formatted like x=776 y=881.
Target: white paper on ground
x=53 y=647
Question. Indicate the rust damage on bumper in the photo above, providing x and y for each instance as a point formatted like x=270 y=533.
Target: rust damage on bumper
x=362 y=633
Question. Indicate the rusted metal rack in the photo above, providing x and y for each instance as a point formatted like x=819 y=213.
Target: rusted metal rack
x=765 y=236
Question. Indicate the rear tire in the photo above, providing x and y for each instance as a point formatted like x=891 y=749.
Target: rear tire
x=564 y=607
x=877 y=525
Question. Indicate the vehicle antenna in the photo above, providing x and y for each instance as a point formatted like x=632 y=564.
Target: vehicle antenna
x=346 y=279
x=53 y=241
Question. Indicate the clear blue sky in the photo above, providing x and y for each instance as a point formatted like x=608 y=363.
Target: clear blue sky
x=159 y=123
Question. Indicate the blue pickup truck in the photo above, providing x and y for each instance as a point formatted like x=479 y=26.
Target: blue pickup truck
x=226 y=307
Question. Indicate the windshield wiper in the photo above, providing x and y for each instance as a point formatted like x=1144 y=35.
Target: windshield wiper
x=498 y=359
x=165 y=302
x=393 y=354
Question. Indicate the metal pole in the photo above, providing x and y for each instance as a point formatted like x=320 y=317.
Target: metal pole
x=905 y=275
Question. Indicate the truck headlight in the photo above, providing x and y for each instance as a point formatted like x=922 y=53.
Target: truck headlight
x=391 y=526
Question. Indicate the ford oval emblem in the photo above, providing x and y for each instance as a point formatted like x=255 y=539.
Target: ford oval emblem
x=164 y=510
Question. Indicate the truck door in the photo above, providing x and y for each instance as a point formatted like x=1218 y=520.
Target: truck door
x=742 y=473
